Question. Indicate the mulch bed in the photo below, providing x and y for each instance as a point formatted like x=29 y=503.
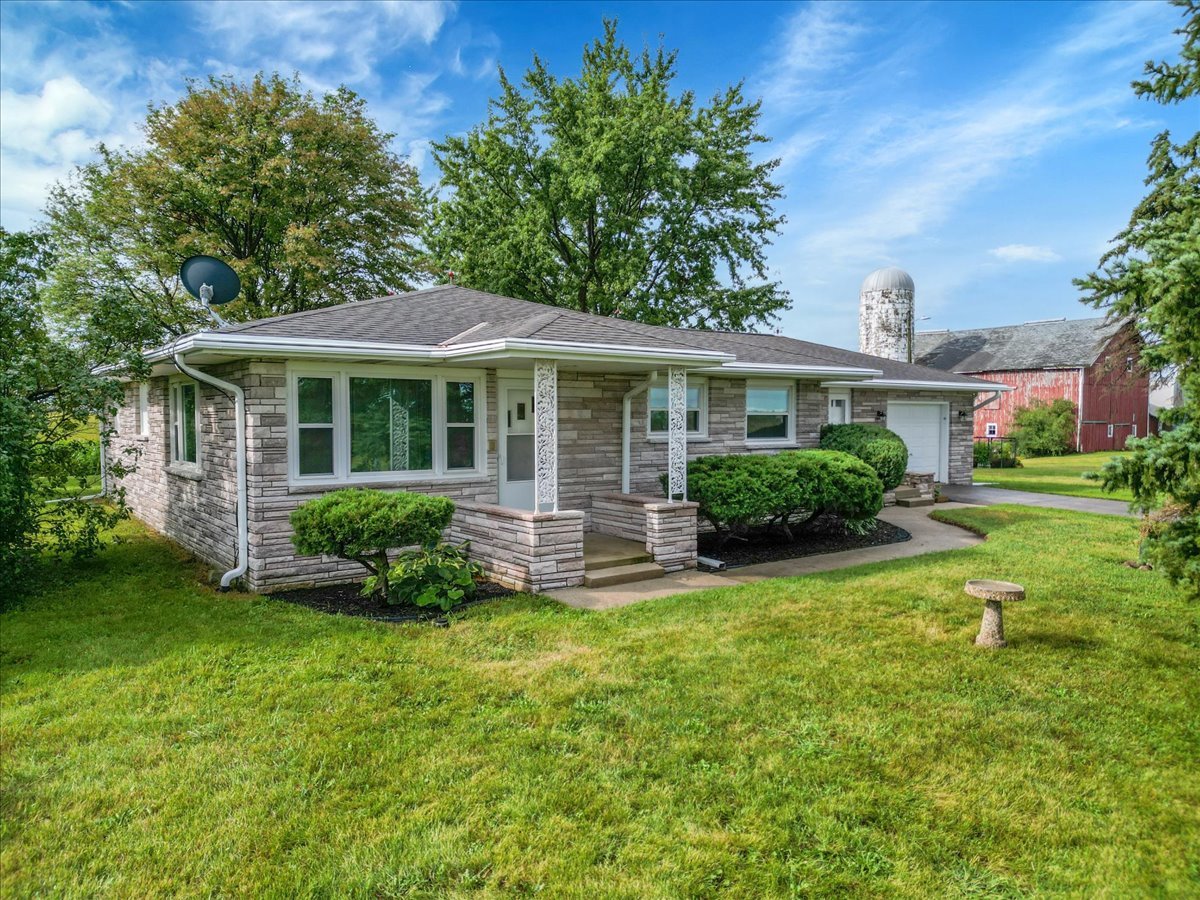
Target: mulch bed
x=826 y=534
x=345 y=600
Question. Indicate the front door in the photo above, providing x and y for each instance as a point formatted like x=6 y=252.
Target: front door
x=516 y=444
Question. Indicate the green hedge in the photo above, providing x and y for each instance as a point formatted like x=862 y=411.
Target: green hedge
x=362 y=525
x=740 y=491
x=881 y=449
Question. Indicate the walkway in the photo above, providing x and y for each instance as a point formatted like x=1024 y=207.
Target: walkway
x=982 y=495
x=928 y=536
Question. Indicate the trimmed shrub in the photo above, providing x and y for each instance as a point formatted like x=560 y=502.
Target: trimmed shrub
x=740 y=491
x=881 y=449
x=440 y=576
x=362 y=525
x=1045 y=429
x=996 y=455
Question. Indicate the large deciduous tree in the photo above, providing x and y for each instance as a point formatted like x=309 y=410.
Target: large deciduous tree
x=49 y=402
x=610 y=193
x=1152 y=274
x=302 y=196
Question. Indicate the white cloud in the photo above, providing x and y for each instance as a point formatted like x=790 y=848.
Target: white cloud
x=328 y=43
x=1024 y=253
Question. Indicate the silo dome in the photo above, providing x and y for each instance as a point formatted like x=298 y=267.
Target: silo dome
x=888 y=279
x=885 y=314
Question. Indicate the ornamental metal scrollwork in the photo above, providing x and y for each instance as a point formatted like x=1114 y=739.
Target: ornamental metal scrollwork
x=677 y=433
x=545 y=435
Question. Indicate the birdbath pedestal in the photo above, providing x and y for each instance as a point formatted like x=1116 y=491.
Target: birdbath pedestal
x=993 y=593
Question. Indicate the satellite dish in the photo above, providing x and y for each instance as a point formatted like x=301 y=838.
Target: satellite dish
x=209 y=280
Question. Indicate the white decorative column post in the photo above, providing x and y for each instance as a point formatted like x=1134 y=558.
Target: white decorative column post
x=676 y=434
x=545 y=435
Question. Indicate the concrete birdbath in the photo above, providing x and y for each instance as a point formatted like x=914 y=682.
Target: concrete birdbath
x=993 y=593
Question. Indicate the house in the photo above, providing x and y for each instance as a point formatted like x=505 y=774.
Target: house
x=540 y=423
x=1091 y=362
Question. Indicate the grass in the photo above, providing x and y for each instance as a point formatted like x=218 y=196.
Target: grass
x=1055 y=475
x=831 y=735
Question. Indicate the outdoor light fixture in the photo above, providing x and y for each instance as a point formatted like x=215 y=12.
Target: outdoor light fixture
x=880 y=415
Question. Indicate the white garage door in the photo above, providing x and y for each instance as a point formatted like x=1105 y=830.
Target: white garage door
x=925 y=428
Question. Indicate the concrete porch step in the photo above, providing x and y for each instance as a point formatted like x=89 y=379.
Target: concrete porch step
x=624 y=574
x=906 y=492
x=911 y=502
x=603 y=551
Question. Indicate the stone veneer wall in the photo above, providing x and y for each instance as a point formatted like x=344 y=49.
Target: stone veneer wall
x=667 y=529
x=524 y=550
x=197 y=510
x=865 y=403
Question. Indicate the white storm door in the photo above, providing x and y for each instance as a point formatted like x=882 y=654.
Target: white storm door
x=839 y=407
x=516 y=454
x=925 y=428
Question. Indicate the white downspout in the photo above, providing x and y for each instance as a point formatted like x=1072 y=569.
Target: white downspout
x=626 y=416
x=239 y=406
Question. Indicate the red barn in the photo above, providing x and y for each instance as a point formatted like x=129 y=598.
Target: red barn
x=1091 y=362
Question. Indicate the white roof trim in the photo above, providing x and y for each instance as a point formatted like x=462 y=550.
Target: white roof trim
x=509 y=348
x=914 y=385
x=765 y=369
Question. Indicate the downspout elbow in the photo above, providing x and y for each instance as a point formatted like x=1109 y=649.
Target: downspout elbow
x=239 y=405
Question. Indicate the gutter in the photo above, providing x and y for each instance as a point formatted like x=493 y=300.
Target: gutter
x=626 y=426
x=239 y=406
x=902 y=384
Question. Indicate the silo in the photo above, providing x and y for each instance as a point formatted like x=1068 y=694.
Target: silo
x=885 y=314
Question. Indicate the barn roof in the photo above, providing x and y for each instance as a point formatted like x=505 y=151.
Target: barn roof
x=1063 y=343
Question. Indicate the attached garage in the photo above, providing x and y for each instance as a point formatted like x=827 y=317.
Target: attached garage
x=925 y=428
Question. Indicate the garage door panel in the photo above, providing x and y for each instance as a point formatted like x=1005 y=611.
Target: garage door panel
x=921 y=426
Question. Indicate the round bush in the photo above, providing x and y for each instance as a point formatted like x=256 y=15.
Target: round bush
x=881 y=449
x=362 y=525
x=740 y=491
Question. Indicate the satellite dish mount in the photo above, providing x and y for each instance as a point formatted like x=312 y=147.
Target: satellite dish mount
x=210 y=281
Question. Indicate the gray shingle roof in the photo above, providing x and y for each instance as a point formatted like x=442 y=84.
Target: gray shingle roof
x=1034 y=345
x=450 y=315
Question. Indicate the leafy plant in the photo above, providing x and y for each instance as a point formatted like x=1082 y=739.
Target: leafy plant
x=1045 y=429
x=614 y=193
x=995 y=455
x=881 y=449
x=739 y=491
x=1152 y=276
x=440 y=575
x=363 y=525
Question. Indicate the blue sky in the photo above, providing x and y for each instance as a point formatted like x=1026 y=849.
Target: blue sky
x=991 y=150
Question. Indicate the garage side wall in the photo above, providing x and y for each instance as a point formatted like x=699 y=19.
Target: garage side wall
x=866 y=406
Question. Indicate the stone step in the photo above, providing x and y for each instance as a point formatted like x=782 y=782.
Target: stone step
x=602 y=551
x=906 y=492
x=622 y=574
x=914 y=501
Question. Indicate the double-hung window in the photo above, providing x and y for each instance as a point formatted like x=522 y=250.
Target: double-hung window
x=363 y=424
x=770 y=416
x=658 y=420
x=185 y=422
x=142 y=410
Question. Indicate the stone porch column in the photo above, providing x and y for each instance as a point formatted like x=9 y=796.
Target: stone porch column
x=545 y=435
x=676 y=433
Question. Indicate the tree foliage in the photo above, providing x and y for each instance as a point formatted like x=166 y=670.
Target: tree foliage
x=610 y=194
x=1045 y=428
x=363 y=525
x=1152 y=274
x=300 y=195
x=49 y=401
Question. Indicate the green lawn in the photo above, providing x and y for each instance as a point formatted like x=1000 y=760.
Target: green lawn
x=1055 y=475
x=831 y=735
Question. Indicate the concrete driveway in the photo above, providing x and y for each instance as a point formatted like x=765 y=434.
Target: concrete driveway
x=982 y=495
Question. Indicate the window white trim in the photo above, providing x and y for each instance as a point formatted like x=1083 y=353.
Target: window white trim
x=790 y=387
x=174 y=407
x=142 y=425
x=341 y=375
x=992 y=430
x=702 y=433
